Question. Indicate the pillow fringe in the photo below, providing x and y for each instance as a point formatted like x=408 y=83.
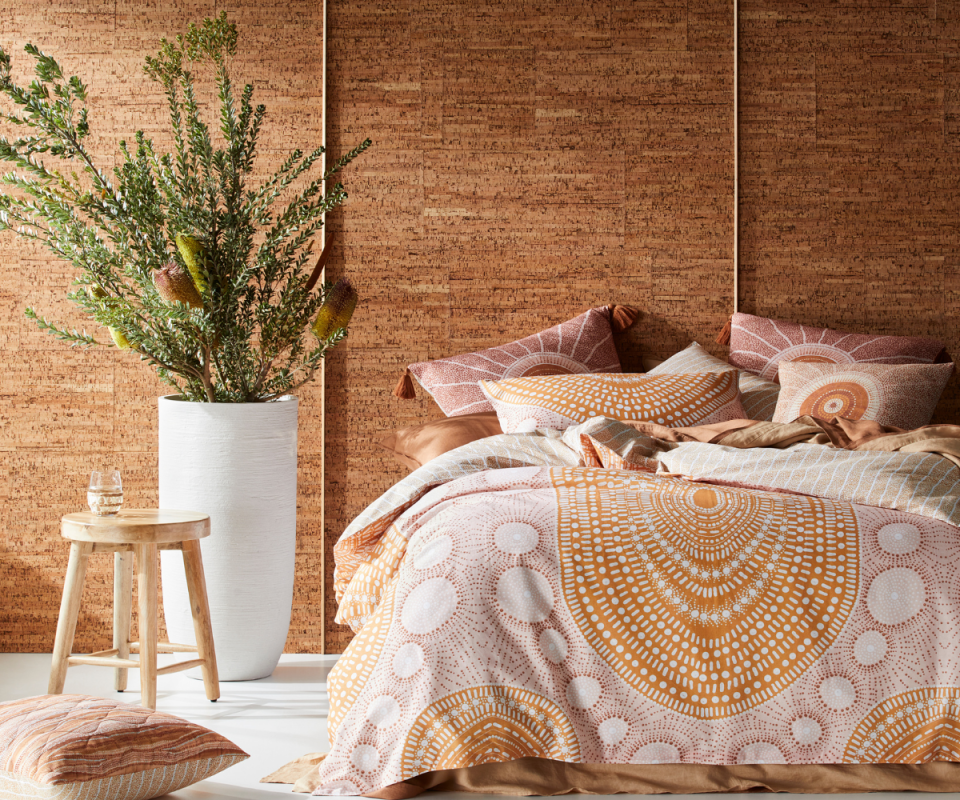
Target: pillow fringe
x=622 y=317
x=405 y=389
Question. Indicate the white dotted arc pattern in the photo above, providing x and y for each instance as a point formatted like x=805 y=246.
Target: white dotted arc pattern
x=852 y=395
x=560 y=400
x=707 y=600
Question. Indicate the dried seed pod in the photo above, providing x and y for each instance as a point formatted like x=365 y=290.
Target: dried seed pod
x=174 y=283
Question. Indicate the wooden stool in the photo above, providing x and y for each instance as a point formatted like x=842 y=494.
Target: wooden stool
x=141 y=532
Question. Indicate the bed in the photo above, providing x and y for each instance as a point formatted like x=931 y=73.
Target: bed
x=687 y=601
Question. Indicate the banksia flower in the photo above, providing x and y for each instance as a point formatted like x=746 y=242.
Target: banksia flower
x=173 y=283
x=192 y=253
x=335 y=313
x=119 y=339
x=99 y=293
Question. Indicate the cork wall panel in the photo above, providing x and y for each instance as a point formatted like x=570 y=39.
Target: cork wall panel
x=530 y=160
x=850 y=167
x=65 y=410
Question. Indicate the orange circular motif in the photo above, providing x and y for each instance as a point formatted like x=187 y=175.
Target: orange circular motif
x=488 y=724
x=914 y=727
x=707 y=600
x=354 y=668
x=844 y=399
x=851 y=395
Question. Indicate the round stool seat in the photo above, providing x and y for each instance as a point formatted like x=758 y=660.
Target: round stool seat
x=136 y=526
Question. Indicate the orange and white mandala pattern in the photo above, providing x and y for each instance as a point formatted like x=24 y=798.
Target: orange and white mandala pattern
x=708 y=600
x=901 y=395
x=611 y=616
x=456 y=731
x=914 y=727
x=845 y=394
x=559 y=401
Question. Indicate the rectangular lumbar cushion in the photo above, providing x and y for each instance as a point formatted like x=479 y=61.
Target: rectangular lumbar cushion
x=759 y=345
x=582 y=344
x=898 y=395
x=560 y=401
x=75 y=747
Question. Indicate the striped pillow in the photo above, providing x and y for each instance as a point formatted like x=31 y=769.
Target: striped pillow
x=559 y=401
x=758 y=395
x=57 y=747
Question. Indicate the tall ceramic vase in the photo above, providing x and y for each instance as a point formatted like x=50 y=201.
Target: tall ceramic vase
x=236 y=462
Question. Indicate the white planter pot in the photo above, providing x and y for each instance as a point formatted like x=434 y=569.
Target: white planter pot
x=236 y=462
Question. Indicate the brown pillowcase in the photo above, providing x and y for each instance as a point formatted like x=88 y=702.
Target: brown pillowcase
x=414 y=447
x=759 y=345
x=75 y=747
x=902 y=396
x=580 y=345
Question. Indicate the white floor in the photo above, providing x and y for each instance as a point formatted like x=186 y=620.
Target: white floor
x=275 y=720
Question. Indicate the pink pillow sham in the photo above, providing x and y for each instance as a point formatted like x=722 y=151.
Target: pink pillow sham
x=759 y=345
x=581 y=345
x=904 y=395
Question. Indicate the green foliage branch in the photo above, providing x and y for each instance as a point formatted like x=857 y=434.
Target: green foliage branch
x=249 y=338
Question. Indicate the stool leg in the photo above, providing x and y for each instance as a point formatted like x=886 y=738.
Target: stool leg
x=122 y=606
x=200 y=608
x=147 y=597
x=69 y=611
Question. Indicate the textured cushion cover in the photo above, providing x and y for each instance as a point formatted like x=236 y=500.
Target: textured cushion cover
x=758 y=395
x=582 y=344
x=758 y=345
x=559 y=401
x=414 y=447
x=903 y=396
x=88 y=748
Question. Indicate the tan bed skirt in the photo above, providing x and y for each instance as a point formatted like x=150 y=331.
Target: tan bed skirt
x=534 y=776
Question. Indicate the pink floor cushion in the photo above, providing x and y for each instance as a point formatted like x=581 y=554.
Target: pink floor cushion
x=89 y=748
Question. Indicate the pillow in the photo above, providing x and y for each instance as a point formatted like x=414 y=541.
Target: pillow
x=559 y=401
x=758 y=395
x=758 y=345
x=583 y=344
x=88 y=748
x=414 y=447
x=903 y=396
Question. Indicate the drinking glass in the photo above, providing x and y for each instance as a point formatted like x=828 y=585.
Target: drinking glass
x=105 y=493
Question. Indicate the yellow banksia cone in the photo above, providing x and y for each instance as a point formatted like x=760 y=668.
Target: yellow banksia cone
x=99 y=293
x=335 y=313
x=119 y=339
x=192 y=252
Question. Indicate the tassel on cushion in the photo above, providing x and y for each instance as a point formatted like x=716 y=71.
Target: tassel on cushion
x=724 y=336
x=405 y=389
x=622 y=317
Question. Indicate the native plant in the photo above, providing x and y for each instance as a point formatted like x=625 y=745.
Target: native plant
x=179 y=257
